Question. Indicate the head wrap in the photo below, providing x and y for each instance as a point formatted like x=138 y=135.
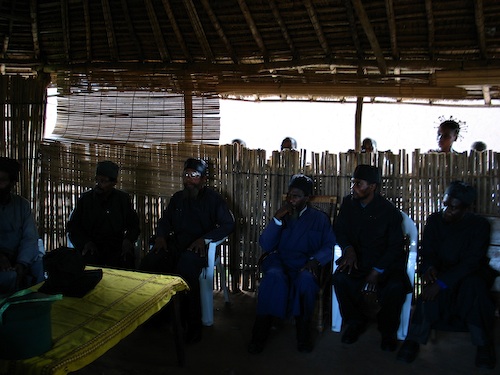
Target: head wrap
x=199 y=165
x=301 y=182
x=107 y=168
x=11 y=167
x=369 y=173
x=462 y=191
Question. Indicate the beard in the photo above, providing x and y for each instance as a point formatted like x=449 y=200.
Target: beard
x=191 y=192
x=294 y=215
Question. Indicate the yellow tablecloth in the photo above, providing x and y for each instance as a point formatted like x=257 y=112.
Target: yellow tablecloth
x=85 y=328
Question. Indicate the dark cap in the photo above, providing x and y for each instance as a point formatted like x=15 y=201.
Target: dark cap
x=462 y=191
x=369 y=173
x=301 y=182
x=107 y=168
x=199 y=165
x=11 y=167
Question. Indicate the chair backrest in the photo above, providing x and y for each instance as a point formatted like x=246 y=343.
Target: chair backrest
x=326 y=203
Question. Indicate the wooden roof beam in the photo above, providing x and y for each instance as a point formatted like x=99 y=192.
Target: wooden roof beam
x=370 y=33
x=88 y=29
x=65 y=27
x=354 y=31
x=284 y=30
x=391 y=20
x=155 y=26
x=131 y=30
x=253 y=28
x=110 y=31
x=479 y=18
x=198 y=29
x=430 y=27
x=34 y=28
x=343 y=90
x=313 y=16
x=220 y=32
x=177 y=31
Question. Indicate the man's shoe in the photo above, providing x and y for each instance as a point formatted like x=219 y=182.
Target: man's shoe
x=260 y=332
x=353 y=332
x=389 y=343
x=408 y=351
x=304 y=341
x=485 y=357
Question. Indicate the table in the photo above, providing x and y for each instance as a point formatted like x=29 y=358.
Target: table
x=85 y=328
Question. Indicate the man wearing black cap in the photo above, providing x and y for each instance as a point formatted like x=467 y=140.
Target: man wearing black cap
x=297 y=240
x=18 y=233
x=456 y=277
x=371 y=279
x=104 y=226
x=194 y=217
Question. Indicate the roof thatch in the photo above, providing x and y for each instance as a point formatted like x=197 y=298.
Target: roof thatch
x=431 y=49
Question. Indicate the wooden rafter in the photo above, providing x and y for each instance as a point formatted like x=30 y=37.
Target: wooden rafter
x=479 y=17
x=370 y=34
x=34 y=28
x=339 y=90
x=354 y=30
x=88 y=29
x=253 y=29
x=430 y=27
x=131 y=30
x=198 y=29
x=284 y=30
x=110 y=30
x=155 y=26
x=391 y=21
x=177 y=31
x=317 y=27
x=65 y=27
x=220 y=32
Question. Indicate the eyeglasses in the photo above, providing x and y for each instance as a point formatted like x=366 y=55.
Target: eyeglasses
x=193 y=174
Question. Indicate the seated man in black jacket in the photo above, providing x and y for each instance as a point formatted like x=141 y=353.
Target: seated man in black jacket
x=456 y=276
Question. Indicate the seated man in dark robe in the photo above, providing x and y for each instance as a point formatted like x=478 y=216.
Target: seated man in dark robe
x=371 y=279
x=194 y=217
x=456 y=277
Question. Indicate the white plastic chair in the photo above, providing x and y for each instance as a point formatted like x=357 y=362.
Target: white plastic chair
x=409 y=229
x=207 y=283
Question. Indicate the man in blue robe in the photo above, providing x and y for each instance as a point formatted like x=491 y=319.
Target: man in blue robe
x=297 y=240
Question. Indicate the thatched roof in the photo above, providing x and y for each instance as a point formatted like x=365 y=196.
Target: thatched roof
x=432 y=49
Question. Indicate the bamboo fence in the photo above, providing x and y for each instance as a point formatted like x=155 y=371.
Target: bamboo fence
x=252 y=184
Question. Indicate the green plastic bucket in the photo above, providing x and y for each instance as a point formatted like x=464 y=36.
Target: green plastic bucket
x=25 y=324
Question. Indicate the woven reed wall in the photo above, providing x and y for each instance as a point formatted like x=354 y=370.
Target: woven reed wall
x=253 y=185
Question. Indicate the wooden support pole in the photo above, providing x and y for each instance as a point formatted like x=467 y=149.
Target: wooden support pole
x=357 y=124
x=188 y=117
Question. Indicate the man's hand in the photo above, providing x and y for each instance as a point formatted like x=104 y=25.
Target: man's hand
x=160 y=244
x=371 y=282
x=5 y=264
x=198 y=247
x=127 y=248
x=312 y=266
x=348 y=260
x=430 y=292
x=90 y=247
x=284 y=210
x=430 y=276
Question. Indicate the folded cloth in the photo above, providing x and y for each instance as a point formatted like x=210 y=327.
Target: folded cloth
x=66 y=273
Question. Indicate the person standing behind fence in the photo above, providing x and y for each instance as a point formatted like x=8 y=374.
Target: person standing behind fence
x=104 y=226
x=447 y=134
x=288 y=143
x=368 y=145
x=194 y=217
x=371 y=279
x=19 y=258
x=456 y=277
x=297 y=240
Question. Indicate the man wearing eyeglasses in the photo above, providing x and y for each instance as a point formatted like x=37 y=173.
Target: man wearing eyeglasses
x=104 y=226
x=194 y=217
